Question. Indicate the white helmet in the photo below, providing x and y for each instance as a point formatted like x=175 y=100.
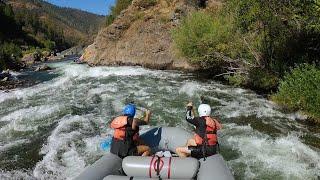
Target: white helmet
x=204 y=110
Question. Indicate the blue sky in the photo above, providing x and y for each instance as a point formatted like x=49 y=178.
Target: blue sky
x=94 y=6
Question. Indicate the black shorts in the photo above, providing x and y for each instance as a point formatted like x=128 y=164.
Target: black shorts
x=123 y=149
x=201 y=151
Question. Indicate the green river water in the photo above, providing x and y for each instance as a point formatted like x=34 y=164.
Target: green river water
x=52 y=130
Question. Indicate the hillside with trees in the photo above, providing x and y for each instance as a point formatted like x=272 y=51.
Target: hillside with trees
x=28 y=25
x=75 y=25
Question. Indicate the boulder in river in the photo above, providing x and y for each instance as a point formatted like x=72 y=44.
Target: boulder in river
x=5 y=79
x=43 y=68
x=5 y=75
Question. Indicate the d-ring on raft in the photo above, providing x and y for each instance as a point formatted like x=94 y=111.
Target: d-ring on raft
x=144 y=168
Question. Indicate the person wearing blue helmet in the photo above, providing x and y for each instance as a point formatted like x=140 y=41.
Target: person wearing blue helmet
x=125 y=141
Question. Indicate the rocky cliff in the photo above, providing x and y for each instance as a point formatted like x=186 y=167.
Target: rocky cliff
x=141 y=35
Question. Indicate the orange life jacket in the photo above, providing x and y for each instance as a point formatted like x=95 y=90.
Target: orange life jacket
x=211 y=132
x=119 y=125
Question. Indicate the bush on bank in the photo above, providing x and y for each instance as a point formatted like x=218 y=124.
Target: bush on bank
x=201 y=34
x=116 y=10
x=272 y=35
x=300 y=90
x=10 y=54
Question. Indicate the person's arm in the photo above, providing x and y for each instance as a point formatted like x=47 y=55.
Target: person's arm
x=190 y=114
x=217 y=121
x=138 y=122
x=147 y=116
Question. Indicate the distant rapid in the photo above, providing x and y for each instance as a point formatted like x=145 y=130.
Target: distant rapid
x=52 y=130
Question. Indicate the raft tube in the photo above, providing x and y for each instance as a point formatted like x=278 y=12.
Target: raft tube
x=214 y=166
x=159 y=138
x=112 y=177
x=164 y=167
x=165 y=138
x=109 y=164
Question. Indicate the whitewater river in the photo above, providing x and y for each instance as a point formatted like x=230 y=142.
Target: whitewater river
x=52 y=130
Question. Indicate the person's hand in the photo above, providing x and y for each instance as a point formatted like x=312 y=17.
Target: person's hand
x=190 y=104
x=147 y=116
x=148 y=112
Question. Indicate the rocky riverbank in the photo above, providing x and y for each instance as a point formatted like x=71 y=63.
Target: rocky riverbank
x=9 y=81
x=40 y=56
x=34 y=61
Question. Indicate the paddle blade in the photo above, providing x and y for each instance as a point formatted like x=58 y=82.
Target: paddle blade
x=105 y=145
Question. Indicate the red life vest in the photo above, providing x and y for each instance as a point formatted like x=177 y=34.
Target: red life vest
x=119 y=125
x=211 y=132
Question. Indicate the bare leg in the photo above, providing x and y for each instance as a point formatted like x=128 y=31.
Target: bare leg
x=183 y=152
x=191 y=142
x=143 y=150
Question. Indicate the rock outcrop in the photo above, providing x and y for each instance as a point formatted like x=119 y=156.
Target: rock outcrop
x=141 y=35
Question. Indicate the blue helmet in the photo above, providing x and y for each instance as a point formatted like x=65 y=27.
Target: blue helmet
x=129 y=110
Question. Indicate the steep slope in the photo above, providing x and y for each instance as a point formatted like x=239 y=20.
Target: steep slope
x=75 y=25
x=141 y=35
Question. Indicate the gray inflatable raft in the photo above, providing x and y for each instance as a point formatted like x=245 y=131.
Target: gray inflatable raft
x=111 y=167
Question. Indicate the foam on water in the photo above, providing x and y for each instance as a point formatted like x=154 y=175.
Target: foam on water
x=61 y=156
x=24 y=120
x=15 y=175
x=12 y=144
x=190 y=88
x=286 y=156
x=37 y=112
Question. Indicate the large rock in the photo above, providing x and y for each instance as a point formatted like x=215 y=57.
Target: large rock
x=141 y=36
x=43 y=68
x=5 y=79
x=5 y=75
x=74 y=51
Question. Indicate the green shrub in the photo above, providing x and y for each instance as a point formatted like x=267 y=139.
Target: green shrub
x=288 y=30
x=109 y=19
x=116 y=10
x=262 y=80
x=237 y=79
x=256 y=79
x=201 y=34
x=300 y=90
x=191 y=37
x=49 y=45
x=9 y=55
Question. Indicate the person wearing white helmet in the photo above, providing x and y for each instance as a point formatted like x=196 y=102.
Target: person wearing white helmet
x=205 y=141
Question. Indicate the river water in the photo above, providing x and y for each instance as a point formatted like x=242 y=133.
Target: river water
x=52 y=130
